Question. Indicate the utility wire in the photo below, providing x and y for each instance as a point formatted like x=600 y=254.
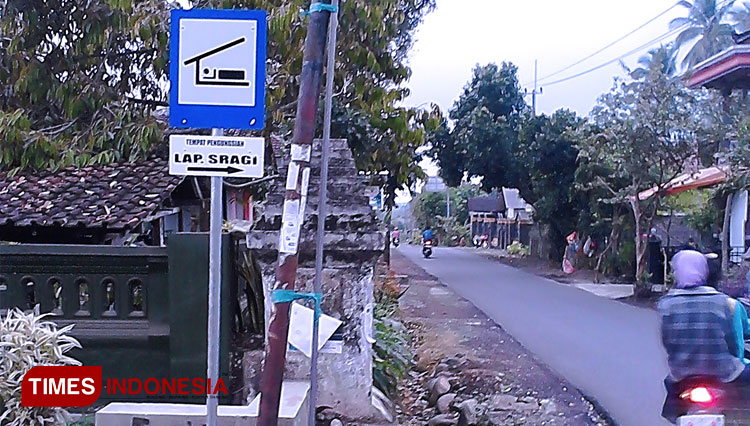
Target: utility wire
x=641 y=47
x=607 y=46
x=624 y=55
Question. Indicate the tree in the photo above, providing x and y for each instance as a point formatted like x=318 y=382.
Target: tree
x=88 y=74
x=545 y=173
x=484 y=136
x=82 y=79
x=664 y=56
x=399 y=135
x=706 y=27
x=741 y=17
x=645 y=137
x=370 y=71
x=444 y=150
x=428 y=207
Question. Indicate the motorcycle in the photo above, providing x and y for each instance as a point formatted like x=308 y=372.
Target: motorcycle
x=705 y=401
x=427 y=249
x=396 y=242
x=482 y=241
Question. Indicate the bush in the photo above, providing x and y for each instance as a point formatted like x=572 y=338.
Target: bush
x=26 y=342
x=518 y=249
x=392 y=349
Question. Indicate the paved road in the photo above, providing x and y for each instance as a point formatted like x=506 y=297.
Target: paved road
x=609 y=350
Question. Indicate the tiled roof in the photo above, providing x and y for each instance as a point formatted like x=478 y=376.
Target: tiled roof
x=115 y=196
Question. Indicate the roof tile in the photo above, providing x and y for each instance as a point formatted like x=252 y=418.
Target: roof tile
x=115 y=195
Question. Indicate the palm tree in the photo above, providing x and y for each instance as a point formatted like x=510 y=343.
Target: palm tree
x=741 y=17
x=663 y=57
x=706 y=26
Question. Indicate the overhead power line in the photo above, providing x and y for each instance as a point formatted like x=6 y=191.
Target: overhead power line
x=632 y=51
x=561 y=70
x=624 y=55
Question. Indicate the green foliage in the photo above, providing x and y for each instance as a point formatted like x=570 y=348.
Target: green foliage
x=622 y=262
x=664 y=57
x=484 y=137
x=545 y=173
x=642 y=135
x=738 y=158
x=518 y=249
x=430 y=208
x=392 y=349
x=249 y=269
x=369 y=70
x=706 y=29
x=497 y=139
x=449 y=231
x=88 y=74
x=699 y=207
x=426 y=207
x=77 y=68
x=444 y=149
x=26 y=341
x=83 y=421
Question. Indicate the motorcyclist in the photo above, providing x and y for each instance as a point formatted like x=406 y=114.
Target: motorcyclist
x=702 y=330
x=427 y=235
x=396 y=234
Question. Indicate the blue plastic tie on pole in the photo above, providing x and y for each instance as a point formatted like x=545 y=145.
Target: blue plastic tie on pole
x=320 y=7
x=288 y=296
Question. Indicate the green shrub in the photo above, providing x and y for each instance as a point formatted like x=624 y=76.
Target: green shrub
x=518 y=249
x=392 y=348
x=26 y=342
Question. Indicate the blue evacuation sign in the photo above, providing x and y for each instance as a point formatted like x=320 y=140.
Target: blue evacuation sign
x=217 y=68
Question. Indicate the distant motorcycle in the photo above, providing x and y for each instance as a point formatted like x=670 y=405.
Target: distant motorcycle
x=427 y=249
x=396 y=242
x=482 y=241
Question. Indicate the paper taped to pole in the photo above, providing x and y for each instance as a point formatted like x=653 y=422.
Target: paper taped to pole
x=290 y=227
x=301 y=325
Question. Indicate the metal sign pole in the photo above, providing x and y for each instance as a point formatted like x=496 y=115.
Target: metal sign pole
x=322 y=207
x=214 y=293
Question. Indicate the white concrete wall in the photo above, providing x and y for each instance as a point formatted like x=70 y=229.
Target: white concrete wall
x=738 y=221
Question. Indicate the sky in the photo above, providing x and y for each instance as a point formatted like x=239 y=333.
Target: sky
x=462 y=33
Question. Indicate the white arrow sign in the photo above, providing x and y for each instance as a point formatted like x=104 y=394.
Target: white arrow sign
x=197 y=155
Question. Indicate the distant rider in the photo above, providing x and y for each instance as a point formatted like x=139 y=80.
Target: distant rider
x=427 y=235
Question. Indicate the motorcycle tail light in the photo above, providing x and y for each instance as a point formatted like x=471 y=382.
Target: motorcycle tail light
x=700 y=395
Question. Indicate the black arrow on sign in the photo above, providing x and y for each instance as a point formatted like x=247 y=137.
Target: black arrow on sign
x=229 y=169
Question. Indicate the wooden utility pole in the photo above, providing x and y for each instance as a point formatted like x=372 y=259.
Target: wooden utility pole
x=294 y=205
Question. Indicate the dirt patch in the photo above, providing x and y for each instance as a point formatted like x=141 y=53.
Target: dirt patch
x=483 y=363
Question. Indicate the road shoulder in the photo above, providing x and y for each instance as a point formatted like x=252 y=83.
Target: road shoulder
x=482 y=362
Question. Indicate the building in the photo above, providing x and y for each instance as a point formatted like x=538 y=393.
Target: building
x=115 y=204
x=502 y=217
x=727 y=71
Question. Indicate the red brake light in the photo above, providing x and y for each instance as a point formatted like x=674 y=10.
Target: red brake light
x=699 y=395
